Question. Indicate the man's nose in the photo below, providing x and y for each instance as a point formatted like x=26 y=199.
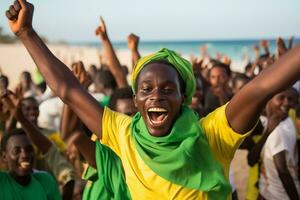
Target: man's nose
x=24 y=154
x=156 y=95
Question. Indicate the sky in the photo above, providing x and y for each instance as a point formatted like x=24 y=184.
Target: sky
x=76 y=20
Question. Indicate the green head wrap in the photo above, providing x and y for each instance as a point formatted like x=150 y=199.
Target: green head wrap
x=183 y=67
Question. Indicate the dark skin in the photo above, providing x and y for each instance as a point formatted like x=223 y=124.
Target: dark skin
x=241 y=118
x=284 y=175
x=71 y=126
x=219 y=84
x=254 y=152
x=28 y=123
x=133 y=44
x=113 y=61
x=158 y=87
x=19 y=149
x=277 y=111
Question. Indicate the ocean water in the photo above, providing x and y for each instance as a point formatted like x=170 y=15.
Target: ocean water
x=235 y=49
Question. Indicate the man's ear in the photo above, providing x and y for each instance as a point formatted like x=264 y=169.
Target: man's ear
x=134 y=100
x=3 y=156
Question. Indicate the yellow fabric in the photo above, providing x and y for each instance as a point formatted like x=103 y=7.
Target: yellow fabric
x=293 y=116
x=252 y=188
x=56 y=139
x=54 y=160
x=143 y=183
x=94 y=137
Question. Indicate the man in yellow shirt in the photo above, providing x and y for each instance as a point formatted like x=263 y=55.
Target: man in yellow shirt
x=165 y=151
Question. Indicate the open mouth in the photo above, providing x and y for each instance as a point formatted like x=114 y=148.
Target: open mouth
x=25 y=165
x=284 y=109
x=157 y=115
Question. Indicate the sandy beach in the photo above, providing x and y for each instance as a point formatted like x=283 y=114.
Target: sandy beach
x=14 y=58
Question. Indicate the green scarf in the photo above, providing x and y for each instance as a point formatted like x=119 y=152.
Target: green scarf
x=183 y=157
x=183 y=67
x=108 y=180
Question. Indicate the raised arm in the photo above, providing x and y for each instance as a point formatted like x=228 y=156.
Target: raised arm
x=33 y=132
x=113 y=61
x=133 y=45
x=245 y=107
x=273 y=121
x=71 y=127
x=56 y=74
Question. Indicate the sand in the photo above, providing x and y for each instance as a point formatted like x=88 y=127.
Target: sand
x=14 y=58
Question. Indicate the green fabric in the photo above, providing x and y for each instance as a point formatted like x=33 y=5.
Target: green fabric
x=41 y=187
x=37 y=77
x=108 y=181
x=183 y=67
x=182 y=157
x=104 y=101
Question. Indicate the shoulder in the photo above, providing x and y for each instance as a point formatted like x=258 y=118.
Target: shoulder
x=3 y=176
x=113 y=116
x=43 y=177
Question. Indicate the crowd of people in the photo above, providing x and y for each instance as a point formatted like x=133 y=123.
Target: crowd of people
x=168 y=133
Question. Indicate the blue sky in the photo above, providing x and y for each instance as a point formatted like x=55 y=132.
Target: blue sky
x=75 y=20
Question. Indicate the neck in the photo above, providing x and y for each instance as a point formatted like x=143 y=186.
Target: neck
x=22 y=180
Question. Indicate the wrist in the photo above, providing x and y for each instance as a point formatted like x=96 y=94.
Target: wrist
x=104 y=37
x=135 y=49
x=25 y=33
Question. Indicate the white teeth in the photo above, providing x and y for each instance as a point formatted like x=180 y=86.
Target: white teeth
x=24 y=164
x=156 y=109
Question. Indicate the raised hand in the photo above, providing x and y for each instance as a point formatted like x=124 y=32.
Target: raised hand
x=281 y=47
x=101 y=29
x=265 y=45
x=11 y=103
x=133 y=41
x=20 y=16
x=81 y=74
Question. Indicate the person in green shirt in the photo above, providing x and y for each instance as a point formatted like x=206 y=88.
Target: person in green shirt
x=20 y=181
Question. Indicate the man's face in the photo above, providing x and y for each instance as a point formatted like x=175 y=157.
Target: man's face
x=19 y=156
x=30 y=110
x=158 y=97
x=281 y=102
x=126 y=106
x=218 y=77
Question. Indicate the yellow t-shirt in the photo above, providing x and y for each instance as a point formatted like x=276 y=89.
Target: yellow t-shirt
x=142 y=182
x=252 y=184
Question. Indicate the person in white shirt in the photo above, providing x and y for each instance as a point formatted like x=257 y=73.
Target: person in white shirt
x=279 y=171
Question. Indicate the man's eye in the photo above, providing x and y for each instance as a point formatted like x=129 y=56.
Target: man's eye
x=167 y=90
x=16 y=151
x=29 y=149
x=146 y=89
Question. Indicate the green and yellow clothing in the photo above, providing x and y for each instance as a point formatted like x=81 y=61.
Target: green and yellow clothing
x=107 y=182
x=41 y=187
x=144 y=183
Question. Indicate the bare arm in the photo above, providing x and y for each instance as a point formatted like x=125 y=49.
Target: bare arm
x=33 y=132
x=113 y=61
x=285 y=176
x=71 y=126
x=245 y=107
x=273 y=121
x=56 y=74
x=73 y=132
x=133 y=45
